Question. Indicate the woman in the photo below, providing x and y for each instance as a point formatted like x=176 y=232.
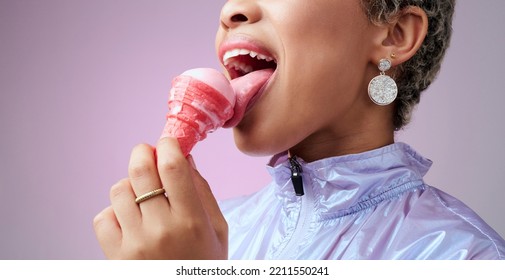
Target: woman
x=346 y=75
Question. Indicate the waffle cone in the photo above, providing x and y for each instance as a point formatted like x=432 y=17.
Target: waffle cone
x=195 y=109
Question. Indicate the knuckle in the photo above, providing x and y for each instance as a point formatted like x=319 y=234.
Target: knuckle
x=141 y=162
x=139 y=169
x=160 y=233
x=221 y=228
x=119 y=189
x=98 y=221
x=172 y=164
x=103 y=218
x=194 y=226
x=140 y=148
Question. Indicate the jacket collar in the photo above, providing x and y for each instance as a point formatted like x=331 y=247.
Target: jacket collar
x=341 y=184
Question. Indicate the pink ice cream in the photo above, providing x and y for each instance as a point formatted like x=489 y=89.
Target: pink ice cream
x=202 y=100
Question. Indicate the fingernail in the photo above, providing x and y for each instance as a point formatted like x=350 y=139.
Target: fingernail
x=191 y=161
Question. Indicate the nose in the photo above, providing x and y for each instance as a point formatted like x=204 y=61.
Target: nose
x=237 y=12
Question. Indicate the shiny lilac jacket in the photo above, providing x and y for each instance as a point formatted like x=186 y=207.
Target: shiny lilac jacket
x=373 y=205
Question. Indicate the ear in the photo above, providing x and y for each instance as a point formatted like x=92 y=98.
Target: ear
x=403 y=36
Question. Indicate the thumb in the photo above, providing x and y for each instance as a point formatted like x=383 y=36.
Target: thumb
x=209 y=202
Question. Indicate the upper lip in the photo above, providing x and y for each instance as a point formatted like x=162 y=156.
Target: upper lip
x=242 y=45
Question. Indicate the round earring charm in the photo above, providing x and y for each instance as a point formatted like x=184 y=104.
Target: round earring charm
x=382 y=89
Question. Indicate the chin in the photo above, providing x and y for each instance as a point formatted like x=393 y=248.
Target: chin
x=255 y=147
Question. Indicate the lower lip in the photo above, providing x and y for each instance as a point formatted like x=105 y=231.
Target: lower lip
x=258 y=95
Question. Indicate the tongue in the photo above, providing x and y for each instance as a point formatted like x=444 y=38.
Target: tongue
x=246 y=87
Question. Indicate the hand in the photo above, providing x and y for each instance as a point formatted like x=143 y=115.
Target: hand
x=186 y=225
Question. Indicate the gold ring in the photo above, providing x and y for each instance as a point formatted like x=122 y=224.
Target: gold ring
x=149 y=195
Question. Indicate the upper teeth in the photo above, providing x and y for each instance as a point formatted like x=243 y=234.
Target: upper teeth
x=236 y=52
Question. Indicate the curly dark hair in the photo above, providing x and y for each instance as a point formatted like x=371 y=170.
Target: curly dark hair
x=416 y=74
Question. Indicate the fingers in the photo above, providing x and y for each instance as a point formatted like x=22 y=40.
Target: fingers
x=175 y=174
x=144 y=178
x=122 y=199
x=189 y=226
x=108 y=231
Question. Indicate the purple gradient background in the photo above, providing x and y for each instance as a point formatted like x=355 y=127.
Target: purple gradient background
x=82 y=82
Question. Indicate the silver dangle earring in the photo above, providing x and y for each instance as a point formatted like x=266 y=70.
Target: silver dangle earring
x=382 y=89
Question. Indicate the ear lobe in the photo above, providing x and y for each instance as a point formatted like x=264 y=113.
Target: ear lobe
x=406 y=34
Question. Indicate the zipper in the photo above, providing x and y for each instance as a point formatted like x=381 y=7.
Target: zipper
x=296 y=176
x=305 y=215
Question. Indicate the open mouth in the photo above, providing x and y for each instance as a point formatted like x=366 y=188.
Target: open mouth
x=250 y=72
x=240 y=62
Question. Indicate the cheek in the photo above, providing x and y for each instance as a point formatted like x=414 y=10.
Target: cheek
x=301 y=101
x=326 y=69
x=220 y=35
x=315 y=84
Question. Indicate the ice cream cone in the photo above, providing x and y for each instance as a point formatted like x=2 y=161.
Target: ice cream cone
x=197 y=108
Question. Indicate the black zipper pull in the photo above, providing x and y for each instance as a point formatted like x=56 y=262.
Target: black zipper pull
x=296 y=176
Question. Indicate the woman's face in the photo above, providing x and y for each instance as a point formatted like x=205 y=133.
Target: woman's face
x=322 y=67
